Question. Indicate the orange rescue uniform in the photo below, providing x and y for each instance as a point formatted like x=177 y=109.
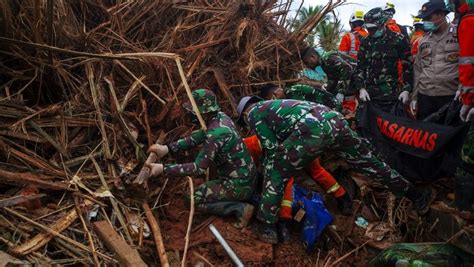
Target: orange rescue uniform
x=350 y=42
x=315 y=170
x=415 y=41
x=466 y=54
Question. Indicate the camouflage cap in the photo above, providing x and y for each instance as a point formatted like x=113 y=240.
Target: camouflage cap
x=375 y=18
x=206 y=101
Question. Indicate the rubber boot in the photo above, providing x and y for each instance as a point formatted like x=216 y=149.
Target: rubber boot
x=284 y=231
x=344 y=204
x=242 y=211
x=421 y=199
x=266 y=232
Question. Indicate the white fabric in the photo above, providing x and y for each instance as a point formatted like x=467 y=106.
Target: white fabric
x=364 y=95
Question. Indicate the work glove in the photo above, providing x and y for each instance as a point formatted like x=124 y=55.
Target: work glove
x=340 y=97
x=155 y=169
x=413 y=106
x=466 y=113
x=457 y=96
x=364 y=95
x=404 y=97
x=159 y=150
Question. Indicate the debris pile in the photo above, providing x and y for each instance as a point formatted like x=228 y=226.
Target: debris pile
x=88 y=85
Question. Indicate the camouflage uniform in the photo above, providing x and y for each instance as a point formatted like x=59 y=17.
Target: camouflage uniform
x=339 y=69
x=308 y=93
x=377 y=71
x=222 y=146
x=293 y=133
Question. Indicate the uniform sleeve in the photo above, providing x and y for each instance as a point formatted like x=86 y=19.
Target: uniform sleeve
x=196 y=138
x=345 y=70
x=360 y=70
x=345 y=44
x=212 y=146
x=405 y=57
x=267 y=137
x=417 y=72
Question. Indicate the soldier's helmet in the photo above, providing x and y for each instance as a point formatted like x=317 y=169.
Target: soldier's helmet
x=375 y=18
x=206 y=101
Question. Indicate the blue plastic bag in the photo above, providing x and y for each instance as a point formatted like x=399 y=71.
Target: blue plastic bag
x=316 y=217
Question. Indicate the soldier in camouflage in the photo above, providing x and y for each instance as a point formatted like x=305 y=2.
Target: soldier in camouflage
x=376 y=75
x=337 y=66
x=222 y=146
x=292 y=134
x=308 y=93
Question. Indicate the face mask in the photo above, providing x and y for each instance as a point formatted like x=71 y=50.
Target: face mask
x=429 y=26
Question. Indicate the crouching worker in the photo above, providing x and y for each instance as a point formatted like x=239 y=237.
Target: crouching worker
x=223 y=147
x=320 y=175
x=292 y=134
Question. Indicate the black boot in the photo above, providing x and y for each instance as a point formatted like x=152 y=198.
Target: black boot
x=344 y=204
x=266 y=232
x=421 y=199
x=284 y=232
x=241 y=210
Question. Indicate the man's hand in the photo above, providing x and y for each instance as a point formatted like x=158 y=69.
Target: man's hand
x=159 y=150
x=155 y=168
x=364 y=95
x=466 y=113
x=413 y=104
x=404 y=97
x=457 y=95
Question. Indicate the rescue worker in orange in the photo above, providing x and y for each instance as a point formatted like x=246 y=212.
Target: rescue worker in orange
x=464 y=179
x=389 y=11
x=350 y=42
x=418 y=33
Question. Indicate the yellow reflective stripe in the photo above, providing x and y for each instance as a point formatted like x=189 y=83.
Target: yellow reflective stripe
x=286 y=203
x=333 y=188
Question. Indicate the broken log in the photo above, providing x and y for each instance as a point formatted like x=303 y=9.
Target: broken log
x=28 y=178
x=126 y=255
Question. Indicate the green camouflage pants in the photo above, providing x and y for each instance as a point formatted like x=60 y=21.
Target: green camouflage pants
x=309 y=140
x=224 y=190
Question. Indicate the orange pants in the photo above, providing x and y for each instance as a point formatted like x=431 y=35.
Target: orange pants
x=314 y=169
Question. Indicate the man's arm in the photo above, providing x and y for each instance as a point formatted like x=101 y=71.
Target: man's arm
x=405 y=56
x=360 y=70
x=188 y=142
x=207 y=155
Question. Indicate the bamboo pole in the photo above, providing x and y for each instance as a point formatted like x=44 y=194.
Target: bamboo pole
x=155 y=228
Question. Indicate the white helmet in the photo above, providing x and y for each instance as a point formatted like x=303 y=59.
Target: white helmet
x=357 y=16
x=389 y=8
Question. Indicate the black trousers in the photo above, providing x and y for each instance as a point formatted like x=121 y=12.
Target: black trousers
x=427 y=105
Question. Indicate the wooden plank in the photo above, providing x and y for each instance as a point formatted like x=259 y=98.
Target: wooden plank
x=126 y=255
